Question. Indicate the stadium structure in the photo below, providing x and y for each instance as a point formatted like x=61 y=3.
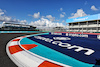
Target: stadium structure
x=89 y=23
x=13 y=26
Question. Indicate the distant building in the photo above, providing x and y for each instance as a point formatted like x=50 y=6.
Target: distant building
x=89 y=23
x=12 y=26
x=61 y=29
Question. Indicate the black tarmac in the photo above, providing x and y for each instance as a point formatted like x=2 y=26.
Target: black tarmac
x=5 y=61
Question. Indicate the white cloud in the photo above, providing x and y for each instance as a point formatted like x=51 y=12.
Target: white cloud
x=63 y=21
x=44 y=23
x=94 y=8
x=5 y=18
x=0 y=9
x=79 y=13
x=1 y=12
x=56 y=20
x=61 y=15
x=43 y=17
x=35 y=15
x=9 y=19
x=64 y=13
x=50 y=17
x=61 y=9
x=23 y=21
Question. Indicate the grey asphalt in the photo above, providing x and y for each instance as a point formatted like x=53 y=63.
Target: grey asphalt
x=4 y=59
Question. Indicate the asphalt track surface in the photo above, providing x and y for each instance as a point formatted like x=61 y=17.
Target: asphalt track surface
x=5 y=61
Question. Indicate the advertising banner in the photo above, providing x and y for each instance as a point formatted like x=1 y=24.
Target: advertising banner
x=85 y=18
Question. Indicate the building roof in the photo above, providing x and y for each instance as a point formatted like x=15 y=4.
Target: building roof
x=83 y=19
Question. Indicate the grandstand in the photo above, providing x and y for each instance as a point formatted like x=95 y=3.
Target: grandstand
x=89 y=23
x=13 y=26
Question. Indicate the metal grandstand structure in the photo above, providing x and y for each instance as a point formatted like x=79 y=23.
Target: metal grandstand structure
x=13 y=26
x=89 y=23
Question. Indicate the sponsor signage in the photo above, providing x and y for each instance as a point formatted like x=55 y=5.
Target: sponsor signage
x=78 y=47
x=77 y=35
x=82 y=49
x=85 y=18
x=65 y=45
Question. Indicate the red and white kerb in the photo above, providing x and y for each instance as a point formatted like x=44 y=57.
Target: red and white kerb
x=22 y=58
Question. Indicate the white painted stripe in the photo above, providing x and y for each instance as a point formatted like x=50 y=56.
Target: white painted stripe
x=19 y=37
x=33 y=57
x=13 y=43
x=27 y=59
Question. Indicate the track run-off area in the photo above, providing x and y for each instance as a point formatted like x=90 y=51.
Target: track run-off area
x=57 y=49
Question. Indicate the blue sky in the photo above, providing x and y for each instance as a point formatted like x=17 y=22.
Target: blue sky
x=56 y=11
